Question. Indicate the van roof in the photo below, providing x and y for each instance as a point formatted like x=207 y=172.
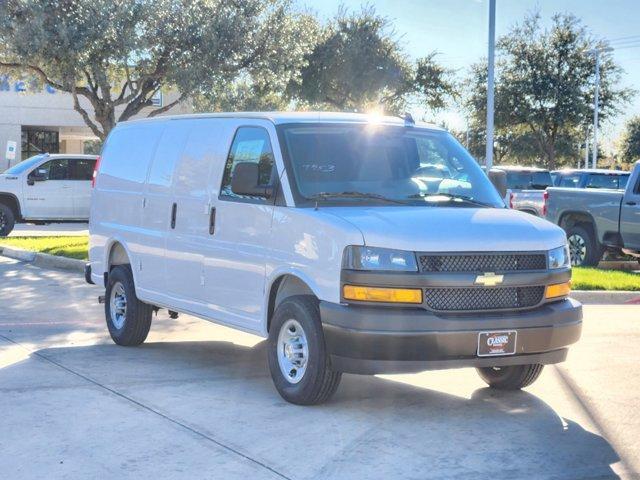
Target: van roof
x=279 y=118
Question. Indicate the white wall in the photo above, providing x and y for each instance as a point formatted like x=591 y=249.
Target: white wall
x=40 y=107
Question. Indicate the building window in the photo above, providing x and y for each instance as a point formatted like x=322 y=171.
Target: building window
x=36 y=141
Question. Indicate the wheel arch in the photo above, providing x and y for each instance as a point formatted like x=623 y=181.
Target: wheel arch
x=11 y=201
x=283 y=286
x=572 y=218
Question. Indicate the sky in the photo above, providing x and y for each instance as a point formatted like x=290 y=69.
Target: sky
x=458 y=29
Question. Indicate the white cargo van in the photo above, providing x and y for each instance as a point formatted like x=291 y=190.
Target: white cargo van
x=355 y=244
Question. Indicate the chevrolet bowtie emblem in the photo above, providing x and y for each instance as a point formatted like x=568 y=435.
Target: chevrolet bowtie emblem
x=489 y=279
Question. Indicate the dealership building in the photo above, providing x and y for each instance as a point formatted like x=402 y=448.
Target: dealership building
x=36 y=119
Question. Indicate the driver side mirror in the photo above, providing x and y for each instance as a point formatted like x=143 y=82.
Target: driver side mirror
x=246 y=179
x=38 y=175
x=499 y=180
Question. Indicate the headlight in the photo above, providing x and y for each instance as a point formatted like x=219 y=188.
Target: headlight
x=559 y=257
x=372 y=258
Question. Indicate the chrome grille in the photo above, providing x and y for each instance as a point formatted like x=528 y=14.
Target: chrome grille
x=482 y=298
x=477 y=263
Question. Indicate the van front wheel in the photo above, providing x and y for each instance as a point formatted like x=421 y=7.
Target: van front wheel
x=128 y=319
x=298 y=361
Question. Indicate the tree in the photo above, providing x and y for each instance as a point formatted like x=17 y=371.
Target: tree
x=358 y=65
x=117 y=54
x=629 y=150
x=263 y=86
x=545 y=85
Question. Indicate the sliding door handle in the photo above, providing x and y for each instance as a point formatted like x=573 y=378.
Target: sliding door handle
x=631 y=204
x=212 y=221
x=174 y=211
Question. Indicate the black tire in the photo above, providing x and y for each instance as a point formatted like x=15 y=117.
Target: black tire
x=591 y=253
x=513 y=377
x=318 y=382
x=7 y=220
x=134 y=324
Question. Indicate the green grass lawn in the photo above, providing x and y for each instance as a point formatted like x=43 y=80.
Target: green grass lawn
x=596 y=279
x=76 y=247
x=73 y=247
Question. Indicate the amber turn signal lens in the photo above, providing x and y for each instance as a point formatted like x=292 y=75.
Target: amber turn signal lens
x=558 y=290
x=387 y=295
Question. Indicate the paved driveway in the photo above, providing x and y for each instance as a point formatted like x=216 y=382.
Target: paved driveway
x=196 y=401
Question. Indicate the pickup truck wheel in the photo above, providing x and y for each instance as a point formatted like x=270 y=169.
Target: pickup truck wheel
x=513 y=377
x=583 y=247
x=128 y=319
x=297 y=355
x=7 y=220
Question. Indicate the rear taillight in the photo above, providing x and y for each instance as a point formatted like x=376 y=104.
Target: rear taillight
x=511 y=200
x=95 y=173
x=545 y=198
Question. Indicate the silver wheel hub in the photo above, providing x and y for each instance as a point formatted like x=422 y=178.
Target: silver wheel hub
x=577 y=249
x=118 y=305
x=293 y=351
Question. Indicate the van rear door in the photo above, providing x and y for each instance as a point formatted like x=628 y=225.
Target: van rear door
x=188 y=214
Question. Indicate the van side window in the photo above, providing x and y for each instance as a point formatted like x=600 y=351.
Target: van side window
x=81 y=169
x=128 y=151
x=250 y=144
x=57 y=169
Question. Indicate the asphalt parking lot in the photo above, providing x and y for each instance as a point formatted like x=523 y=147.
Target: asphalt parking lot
x=196 y=401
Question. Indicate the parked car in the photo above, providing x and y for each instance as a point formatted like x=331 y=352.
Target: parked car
x=334 y=237
x=527 y=188
x=599 y=219
x=46 y=188
x=590 y=178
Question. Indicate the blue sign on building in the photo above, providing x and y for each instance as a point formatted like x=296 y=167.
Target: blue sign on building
x=20 y=86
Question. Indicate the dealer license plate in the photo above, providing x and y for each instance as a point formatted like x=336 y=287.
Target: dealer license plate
x=497 y=343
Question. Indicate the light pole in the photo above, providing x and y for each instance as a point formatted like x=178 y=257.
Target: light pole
x=586 y=148
x=490 y=83
x=596 y=103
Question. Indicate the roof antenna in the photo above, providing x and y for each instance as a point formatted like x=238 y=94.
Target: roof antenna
x=408 y=118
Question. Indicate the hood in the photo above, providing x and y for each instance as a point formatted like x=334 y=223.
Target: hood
x=444 y=229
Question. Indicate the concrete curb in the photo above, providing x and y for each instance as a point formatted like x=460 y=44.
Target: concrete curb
x=605 y=297
x=44 y=260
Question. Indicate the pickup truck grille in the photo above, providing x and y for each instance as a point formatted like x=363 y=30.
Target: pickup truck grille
x=478 y=263
x=482 y=298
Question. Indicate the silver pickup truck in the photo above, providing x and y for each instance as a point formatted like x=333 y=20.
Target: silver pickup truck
x=596 y=220
x=527 y=188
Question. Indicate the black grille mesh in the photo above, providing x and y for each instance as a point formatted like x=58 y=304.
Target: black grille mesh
x=482 y=298
x=505 y=262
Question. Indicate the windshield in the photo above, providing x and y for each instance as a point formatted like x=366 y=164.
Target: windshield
x=25 y=165
x=382 y=165
x=528 y=180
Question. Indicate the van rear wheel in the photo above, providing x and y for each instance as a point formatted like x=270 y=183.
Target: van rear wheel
x=128 y=319
x=7 y=220
x=513 y=377
x=298 y=360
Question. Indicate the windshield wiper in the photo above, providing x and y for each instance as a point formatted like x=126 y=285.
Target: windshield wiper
x=451 y=196
x=370 y=196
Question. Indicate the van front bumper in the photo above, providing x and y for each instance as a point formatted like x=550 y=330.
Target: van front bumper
x=371 y=340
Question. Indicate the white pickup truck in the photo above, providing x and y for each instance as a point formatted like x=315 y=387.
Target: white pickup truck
x=46 y=188
x=354 y=244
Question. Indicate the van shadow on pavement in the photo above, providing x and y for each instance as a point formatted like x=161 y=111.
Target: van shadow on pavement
x=373 y=427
